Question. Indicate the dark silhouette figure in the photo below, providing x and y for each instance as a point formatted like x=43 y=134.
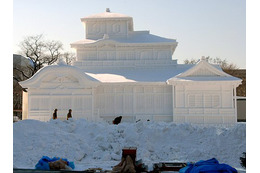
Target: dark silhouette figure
x=69 y=115
x=54 y=115
x=117 y=120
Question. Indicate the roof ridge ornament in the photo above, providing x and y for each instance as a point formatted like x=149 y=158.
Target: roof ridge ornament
x=108 y=10
x=203 y=58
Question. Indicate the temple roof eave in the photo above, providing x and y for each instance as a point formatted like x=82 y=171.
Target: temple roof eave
x=59 y=70
x=106 y=15
x=106 y=19
x=209 y=74
x=86 y=43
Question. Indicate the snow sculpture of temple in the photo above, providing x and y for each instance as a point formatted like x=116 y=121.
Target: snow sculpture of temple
x=119 y=71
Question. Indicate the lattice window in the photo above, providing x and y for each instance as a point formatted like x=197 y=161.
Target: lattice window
x=212 y=101
x=122 y=55
x=195 y=100
x=116 y=28
x=130 y=55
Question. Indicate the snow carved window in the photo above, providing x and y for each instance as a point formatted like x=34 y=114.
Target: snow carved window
x=116 y=28
x=195 y=100
x=95 y=28
x=206 y=100
x=212 y=101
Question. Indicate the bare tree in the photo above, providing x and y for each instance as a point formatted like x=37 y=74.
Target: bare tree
x=54 y=52
x=40 y=51
x=69 y=57
x=192 y=61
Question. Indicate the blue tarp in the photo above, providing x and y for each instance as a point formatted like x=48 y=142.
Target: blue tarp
x=43 y=163
x=211 y=165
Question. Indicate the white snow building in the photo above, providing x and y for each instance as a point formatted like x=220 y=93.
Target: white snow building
x=122 y=72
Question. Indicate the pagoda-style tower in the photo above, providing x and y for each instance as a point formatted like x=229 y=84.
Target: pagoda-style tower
x=111 y=42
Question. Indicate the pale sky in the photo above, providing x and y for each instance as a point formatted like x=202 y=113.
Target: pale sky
x=215 y=28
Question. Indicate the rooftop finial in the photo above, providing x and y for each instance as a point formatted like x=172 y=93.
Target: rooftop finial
x=107 y=10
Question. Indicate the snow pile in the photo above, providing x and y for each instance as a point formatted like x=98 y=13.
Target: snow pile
x=90 y=144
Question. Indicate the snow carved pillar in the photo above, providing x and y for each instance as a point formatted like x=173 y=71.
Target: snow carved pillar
x=235 y=102
x=173 y=101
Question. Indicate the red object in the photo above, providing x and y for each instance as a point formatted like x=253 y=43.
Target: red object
x=131 y=151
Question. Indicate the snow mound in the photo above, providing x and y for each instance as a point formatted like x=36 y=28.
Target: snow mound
x=91 y=144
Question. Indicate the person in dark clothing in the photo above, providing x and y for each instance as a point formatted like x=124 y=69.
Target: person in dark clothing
x=117 y=120
x=69 y=115
x=54 y=115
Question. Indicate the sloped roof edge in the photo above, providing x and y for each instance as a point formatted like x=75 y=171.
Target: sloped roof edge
x=105 y=15
x=214 y=74
x=203 y=64
x=78 y=73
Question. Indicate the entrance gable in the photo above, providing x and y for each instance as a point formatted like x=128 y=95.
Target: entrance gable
x=204 y=72
x=60 y=81
x=59 y=76
x=203 y=69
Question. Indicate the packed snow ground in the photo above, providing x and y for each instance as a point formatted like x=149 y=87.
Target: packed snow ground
x=91 y=144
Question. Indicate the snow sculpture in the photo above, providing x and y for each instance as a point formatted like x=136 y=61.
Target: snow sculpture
x=122 y=72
